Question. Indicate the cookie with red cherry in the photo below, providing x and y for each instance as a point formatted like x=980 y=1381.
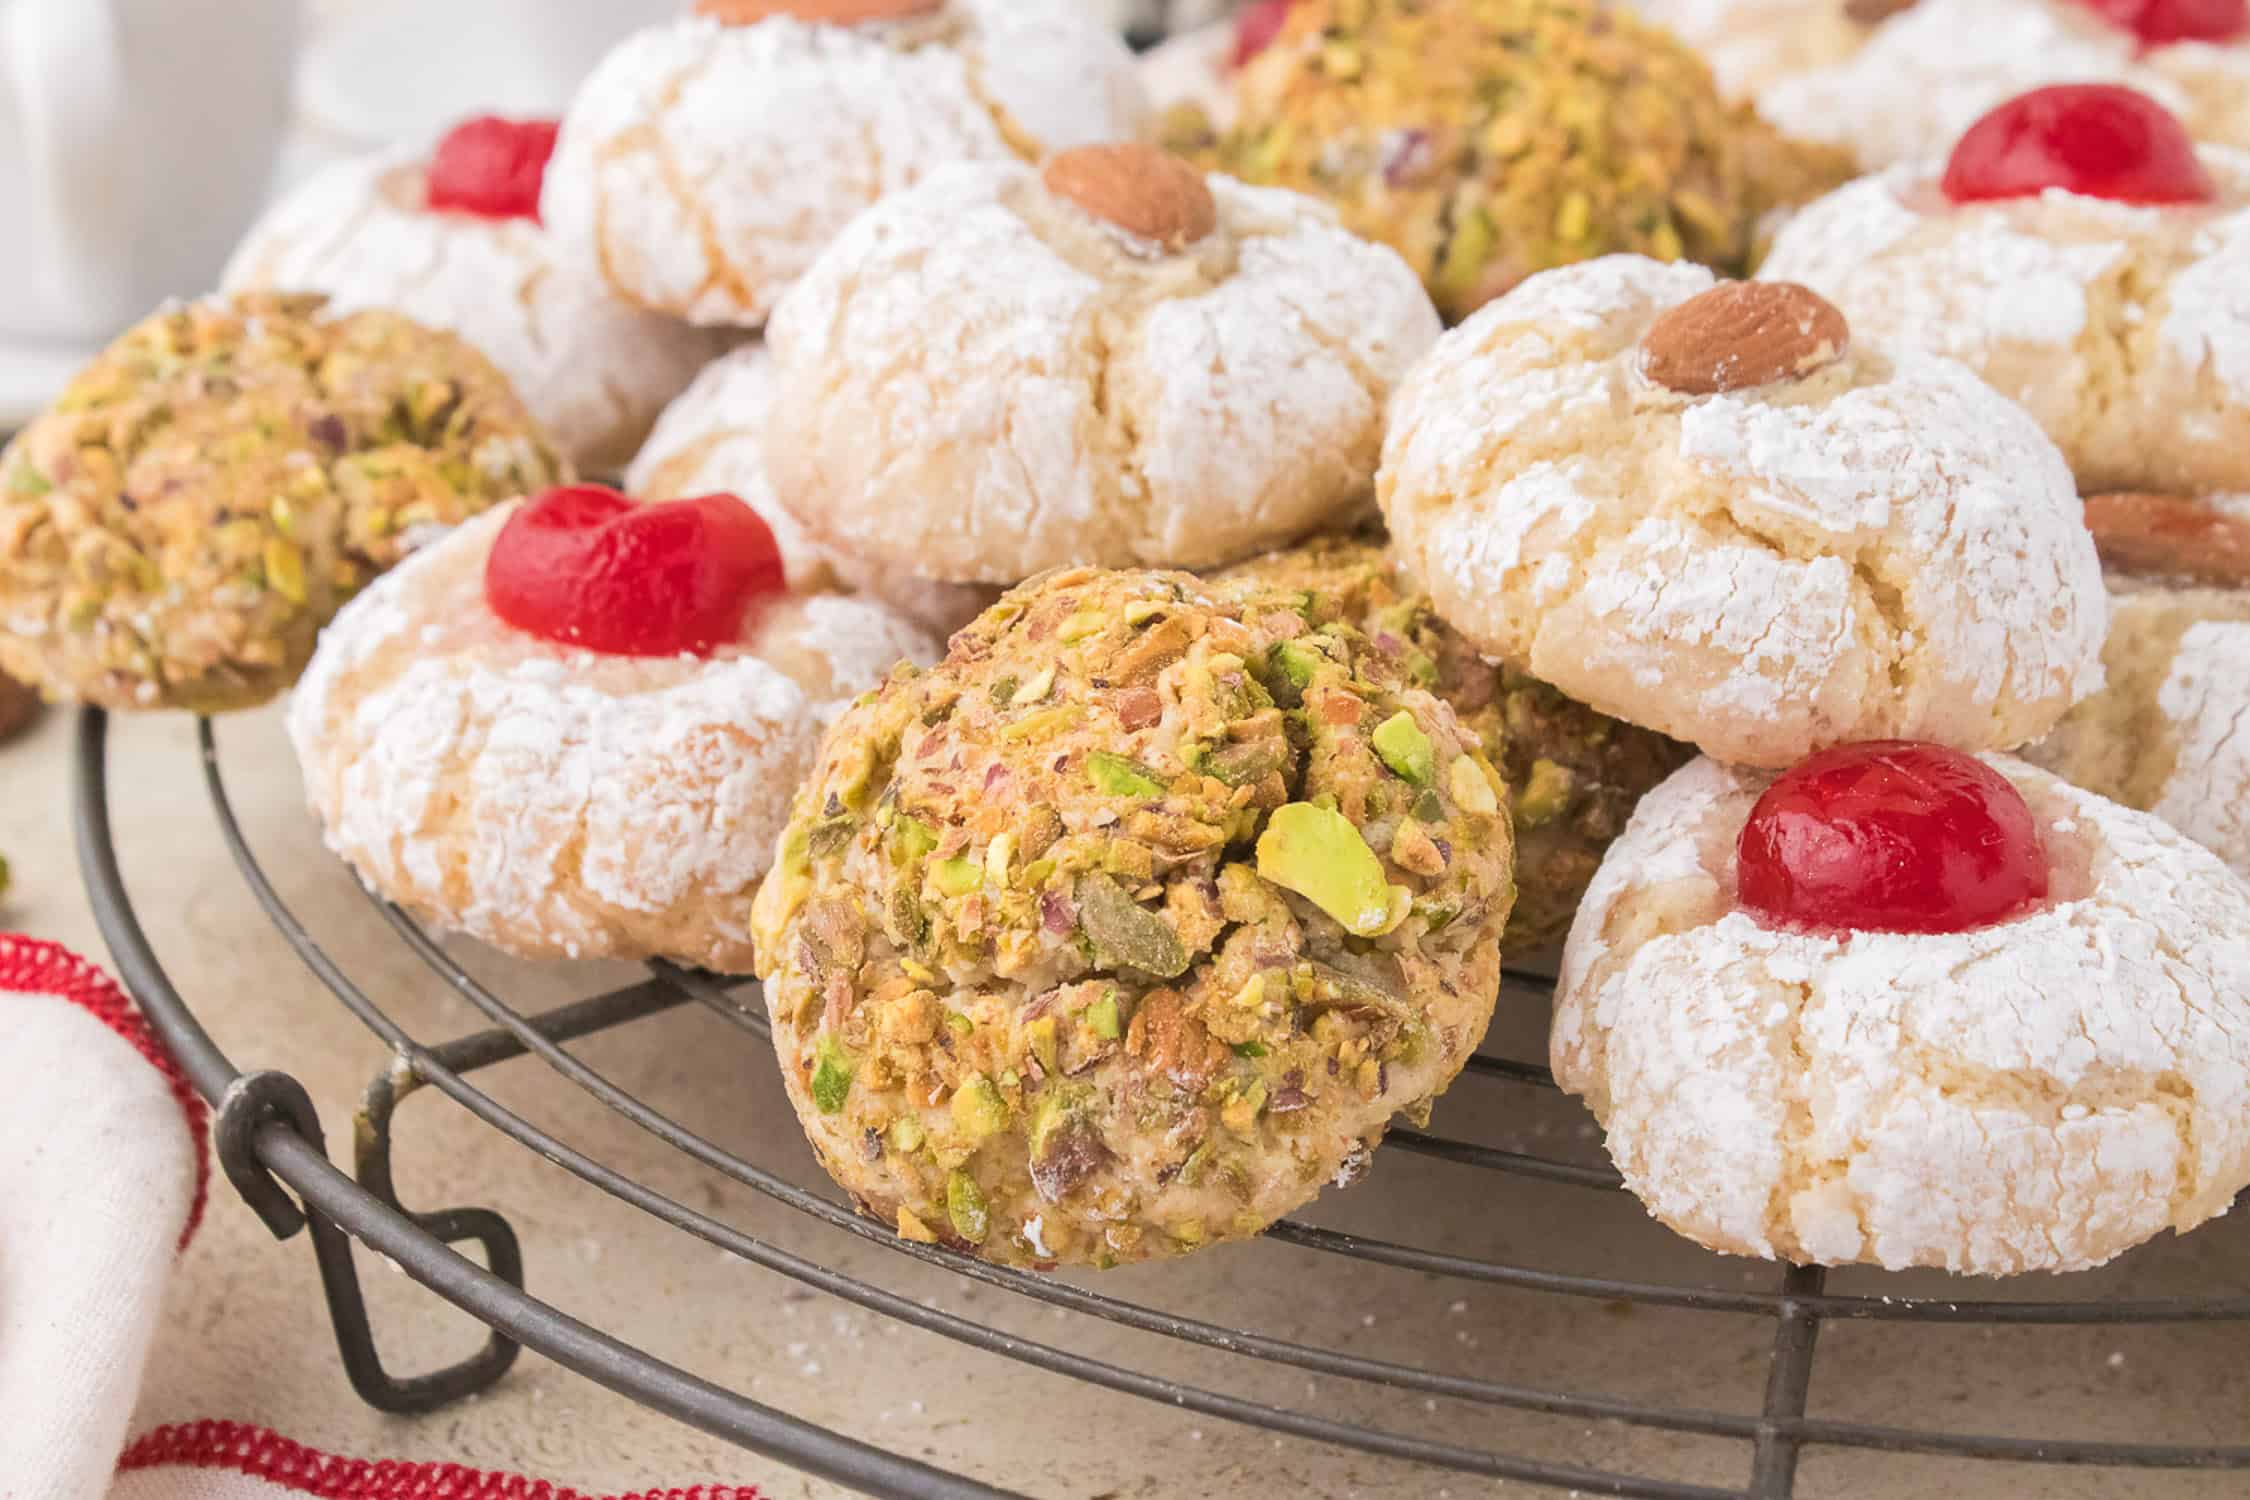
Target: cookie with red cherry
x=2080 y=253
x=1113 y=359
x=452 y=239
x=1900 y=80
x=2165 y=732
x=707 y=161
x=1910 y=1007
x=571 y=727
x=1723 y=512
x=713 y=439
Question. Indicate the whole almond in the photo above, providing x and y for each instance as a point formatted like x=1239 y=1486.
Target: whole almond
x=818 y=12
x=1142 y=190
x=2170 y=536
x=1743 y=333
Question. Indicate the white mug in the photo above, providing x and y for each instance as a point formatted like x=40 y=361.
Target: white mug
x=137 y=138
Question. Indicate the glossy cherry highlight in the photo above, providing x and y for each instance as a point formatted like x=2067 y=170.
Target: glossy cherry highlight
x=2160 y=22
x=2096 y=139
x=493 y=168
x=1890 y=836
x=588 y=567
x=1256 y=27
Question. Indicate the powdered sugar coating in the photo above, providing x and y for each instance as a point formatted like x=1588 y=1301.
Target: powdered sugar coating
x=2040 y=1095
x=980 y=381
x=2206 y=701
x=702 y=167
x=594 y=370
x=556 y=803
x=1751 y=43
x=2124 y=329
x=1926 y=74
x=712 y=440
x=1885 y=548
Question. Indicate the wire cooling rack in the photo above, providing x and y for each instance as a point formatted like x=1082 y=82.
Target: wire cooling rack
x=269 y=1142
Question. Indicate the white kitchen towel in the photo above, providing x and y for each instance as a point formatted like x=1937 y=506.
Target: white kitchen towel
x=104 y=1164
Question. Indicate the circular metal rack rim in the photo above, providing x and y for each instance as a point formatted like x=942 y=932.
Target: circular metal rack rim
x=268 y=1140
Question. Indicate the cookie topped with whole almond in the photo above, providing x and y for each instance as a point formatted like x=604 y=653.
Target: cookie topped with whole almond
x=1718 y=510
x=708 y=161
x=2083 y=255
x=1113 y=359
x=2163 y=735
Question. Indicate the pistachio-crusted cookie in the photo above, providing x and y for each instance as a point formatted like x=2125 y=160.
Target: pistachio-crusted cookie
x=377 y=232
x=1132 y=924
x=2122 y=326
x=1114 y=360
x=708 y=161
x=713 y=438
x=1900 y=83
x=201 y=499
x=1490 y=139
x=1573 y=775
x=2166 y=733
x=1711 y=510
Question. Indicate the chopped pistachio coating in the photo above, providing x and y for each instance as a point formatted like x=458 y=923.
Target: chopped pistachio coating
x=204 y=496
x=1485 y=140
x=1570 y=776
x=1217 y=944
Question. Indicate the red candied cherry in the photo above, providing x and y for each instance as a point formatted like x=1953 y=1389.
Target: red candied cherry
x=493 y=168
x=2096 y=139
x=2158 y=22
x=1890 y=836
x=1254 y=30
x=587 y=567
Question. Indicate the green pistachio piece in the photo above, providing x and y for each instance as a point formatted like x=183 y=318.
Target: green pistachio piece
x=1428 y=808
x=1122 y=776
x=960 y=1025
x=911 y=838
x=1101 y=1018
x=1546 y=794
x=1040 y=1041
x=1293 y=668
x=29 y=482
x=957 y=877
x=1126 y=933
x=1405 y=748
x=1316 y=852
x=1472 y=789
x=832 y=1076
x=906 y=1135
x=978 y=1109
x=1240 y=765
x=964 y=1205
x=1250 y=1049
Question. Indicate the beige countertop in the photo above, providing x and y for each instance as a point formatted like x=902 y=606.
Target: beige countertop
x=246 y=1337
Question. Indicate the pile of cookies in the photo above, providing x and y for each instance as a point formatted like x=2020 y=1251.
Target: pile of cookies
x=1123 y=640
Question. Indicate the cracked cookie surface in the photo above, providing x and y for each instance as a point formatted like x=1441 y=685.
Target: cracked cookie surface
x=557 y=803
x=1881 y=548
x=703 y=166
x=2040 y=1095
x=982 y=380
x=199 y=501
x=1572 y=775
x=2124 y=329
x=1131 y=925
x=593 y=369
x=712 y=440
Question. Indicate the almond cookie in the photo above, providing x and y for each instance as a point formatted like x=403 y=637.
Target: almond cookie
x=707 y=162
x=1910 y=1007
x=2165 y=733
x=509 y=740
x=454 y=242
x=203 y=497
x=1573 y=775
x=1115 y=360
x=1712 y=511
x=713 y=438
x=1898 y=80
x=2122 y=326
x=1486 y=140
x=1132 y=924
